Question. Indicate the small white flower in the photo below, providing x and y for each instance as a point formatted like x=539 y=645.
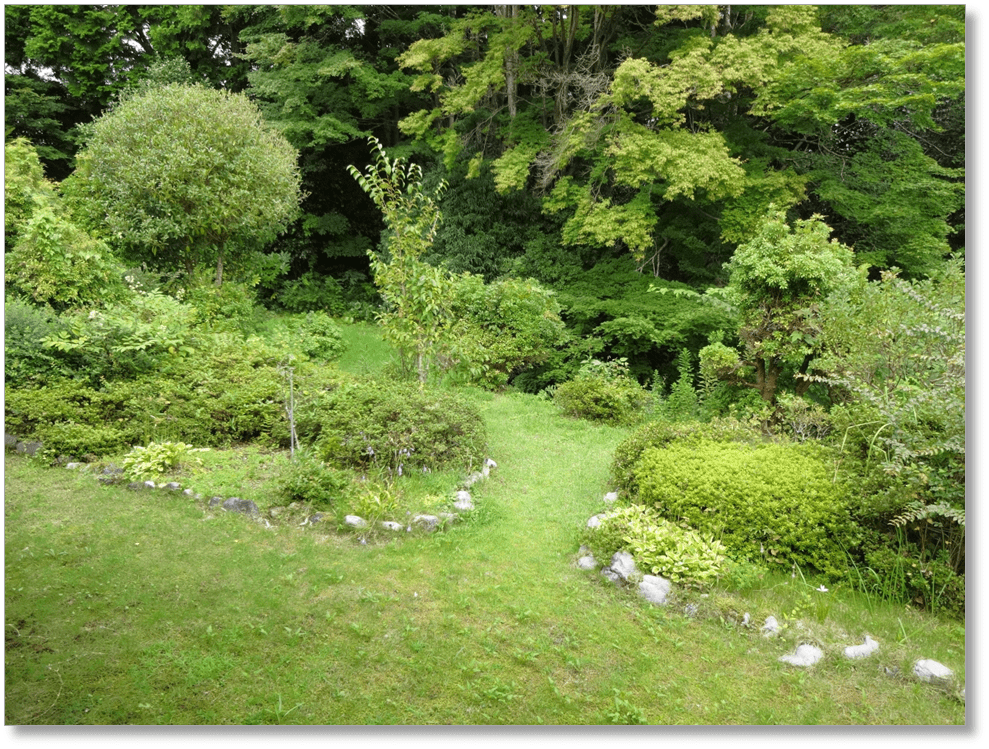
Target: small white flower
x=822 y=589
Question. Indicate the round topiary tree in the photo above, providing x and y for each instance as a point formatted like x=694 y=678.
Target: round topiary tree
x=183 y=175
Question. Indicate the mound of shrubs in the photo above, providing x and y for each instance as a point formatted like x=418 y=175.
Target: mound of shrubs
x=395 y=426
x=778 y=502
x=602 y=391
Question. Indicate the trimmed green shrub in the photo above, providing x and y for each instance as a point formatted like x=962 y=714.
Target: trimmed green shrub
x=312 y=293
x=397 y=427
x=663 y=433
x=778 y=502
x=27 y=362
x=79 y=440
x=602 y=391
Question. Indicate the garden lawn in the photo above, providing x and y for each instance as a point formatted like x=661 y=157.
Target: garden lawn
x=141 y=607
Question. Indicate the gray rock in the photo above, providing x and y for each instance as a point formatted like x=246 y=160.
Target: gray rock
x=490 y=463
x=149 y=484
x=10 y=441
x=611 y=497
x=595 y=521
x=354 y=521
x=243 y=506
x=188 y=492
x=316 y=518
x=623 y=565
x=72 y=466
x=172 y=486
x=587 y=562
x=28 y=448
x=429 y=522
x=112 y=470
x=391 y=525
x=745 y=619
x=771 y=628
x=805 y=655
x=864 y=650
x=136 y=486
x=214 y=501
x=473 y=479
x=655 y=589
x=931 y=671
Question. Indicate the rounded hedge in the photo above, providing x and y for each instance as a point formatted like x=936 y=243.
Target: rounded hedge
x=775 y=502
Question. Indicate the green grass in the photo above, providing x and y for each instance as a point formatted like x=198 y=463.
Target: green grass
x=141 y=607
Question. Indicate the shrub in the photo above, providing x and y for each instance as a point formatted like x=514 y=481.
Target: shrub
x=27 y=362
x=502 y=328
x=397 y=427
x=79 y=440
x=779 y=502
x=663 y=433
x=312 y=293
x=157 y=458
x=307 y=479
x=602 y=391
x=320 y=338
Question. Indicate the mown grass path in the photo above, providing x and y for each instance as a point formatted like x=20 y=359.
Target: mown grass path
x=126 y=607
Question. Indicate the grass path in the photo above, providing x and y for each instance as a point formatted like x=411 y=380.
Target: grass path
x=126 y=608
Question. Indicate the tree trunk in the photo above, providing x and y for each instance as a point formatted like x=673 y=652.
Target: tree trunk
x=219 y=269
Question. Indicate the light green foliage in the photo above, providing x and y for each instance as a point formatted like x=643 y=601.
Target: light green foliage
x=501 y=328
x=895 y=355
x=395 y=427
x=25 y=188
x=183 y=176
x=778 y=502
x=55 y=262
x=602 y=391
x=417 y=294
x=682 y=403
x=777 y=279
x=659 y=434
x=158 y=458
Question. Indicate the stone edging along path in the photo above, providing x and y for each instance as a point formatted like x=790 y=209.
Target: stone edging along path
x=622 y=571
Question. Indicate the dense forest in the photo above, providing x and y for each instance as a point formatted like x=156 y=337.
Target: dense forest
x=726 y=211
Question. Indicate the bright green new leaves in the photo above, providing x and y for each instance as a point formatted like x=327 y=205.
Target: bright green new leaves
x=185 y=175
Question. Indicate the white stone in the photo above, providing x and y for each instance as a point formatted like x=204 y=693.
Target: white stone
x=490 y=463
x=429 y=522
x=391 y=525
x=623 y=565
x=745 y=619
x=355 y=522
x=928 y=670
x=595 y=521
x=611 y=575
x=771 y=627
x=805 y=655
x=587 y=562
x=611 y=497
x=72 y=466
x=655 y=589
x=864 y=650
x=464 y=501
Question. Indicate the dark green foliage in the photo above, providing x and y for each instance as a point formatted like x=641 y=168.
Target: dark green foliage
x=397 y=427
x=26 y=361
x=308 y=480
x=310 y=293
x=602 y=391
x=777 y=502
x=659 y=434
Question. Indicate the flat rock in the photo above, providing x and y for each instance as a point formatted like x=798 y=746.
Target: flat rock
x=864 y=650
x=429 y=522
x=354 y=521
x=391 y=525
x=464 y=503
x=805 y=655
x=72 y=466
x=612 y=575
x=595 y=521
x=243 y=506
x=214 y=501
x=611 y=497
x=172 y=486
x=655 y=589
x=930 y=671
x=28 y=448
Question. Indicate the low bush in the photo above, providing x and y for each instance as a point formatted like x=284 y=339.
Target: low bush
x=27 y=361
x=396 y=427
x=658 y=546
x=777 y=502
x=602 y=391
x=143 y=462
x=307 y=479
x=79 y=440
x=663 y=433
